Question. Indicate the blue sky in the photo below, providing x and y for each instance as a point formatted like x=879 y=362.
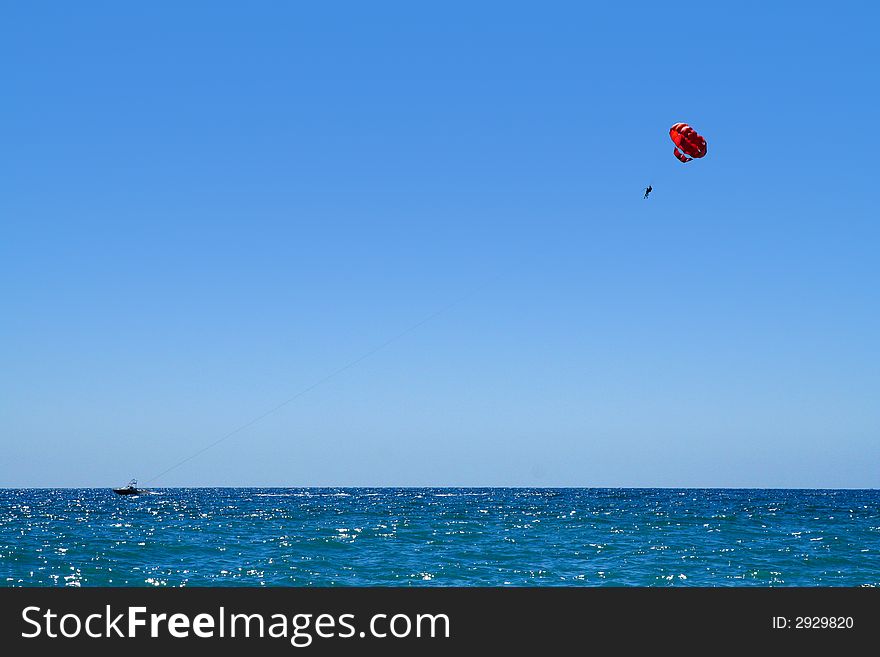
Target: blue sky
x=208 y=207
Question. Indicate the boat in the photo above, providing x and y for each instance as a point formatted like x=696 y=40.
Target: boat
x=130 y=489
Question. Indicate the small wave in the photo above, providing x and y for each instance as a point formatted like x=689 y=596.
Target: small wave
x=283 y=495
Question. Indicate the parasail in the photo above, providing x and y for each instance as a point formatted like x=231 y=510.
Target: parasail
x=688 y=141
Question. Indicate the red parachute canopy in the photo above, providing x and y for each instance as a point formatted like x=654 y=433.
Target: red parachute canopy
x=686 y=138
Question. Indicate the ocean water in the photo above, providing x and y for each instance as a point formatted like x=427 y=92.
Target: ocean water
x=440 y=537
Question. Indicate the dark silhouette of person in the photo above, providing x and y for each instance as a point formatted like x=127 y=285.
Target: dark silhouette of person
x=648 y=190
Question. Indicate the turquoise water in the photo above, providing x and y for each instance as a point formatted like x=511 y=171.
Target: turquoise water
x=440 y=537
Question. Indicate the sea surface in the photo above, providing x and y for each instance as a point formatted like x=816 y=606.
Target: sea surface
x=440 y=537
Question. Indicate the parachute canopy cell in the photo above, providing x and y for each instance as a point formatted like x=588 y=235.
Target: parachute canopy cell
x=688 y=141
